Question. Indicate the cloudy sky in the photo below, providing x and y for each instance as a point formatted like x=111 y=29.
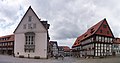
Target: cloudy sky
x=68 y=18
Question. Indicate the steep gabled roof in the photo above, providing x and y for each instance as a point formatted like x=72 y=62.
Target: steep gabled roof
x=91 y=31
x=25 y=15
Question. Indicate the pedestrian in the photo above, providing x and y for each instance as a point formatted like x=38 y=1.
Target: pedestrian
x=56 y=56
x=62 y=56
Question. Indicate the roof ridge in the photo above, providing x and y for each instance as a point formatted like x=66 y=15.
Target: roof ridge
x=6 y=35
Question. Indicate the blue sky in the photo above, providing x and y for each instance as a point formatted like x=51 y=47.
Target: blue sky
x=68 y=18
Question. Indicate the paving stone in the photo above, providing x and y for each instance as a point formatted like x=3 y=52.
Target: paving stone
x=10 y=59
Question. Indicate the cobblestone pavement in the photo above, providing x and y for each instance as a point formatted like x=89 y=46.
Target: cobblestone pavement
x=10 y=59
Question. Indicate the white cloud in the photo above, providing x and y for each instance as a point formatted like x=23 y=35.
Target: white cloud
x=68 y=18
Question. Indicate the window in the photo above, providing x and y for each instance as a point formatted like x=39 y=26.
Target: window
x=110 y=50
x=5 y=44
x=96 y=44
x=96 y=54
x=85 y=35
x=104 y=26
x=11 y=43
x=98 y=47
x=24 y=26
x=96 y=38
x=100 y=38
x=98 y=50
x=105 y=39
x=92 y=39
x=105 y=46
x=29 y=26
x=30 y=38
x=8 y=43
x=29 y=41
x=101 y=45
x=100 y=31
x=29 y=18
x=92 y=29
x=105 y=50
x=110 y=40
x=17 y=53
x=102 y=54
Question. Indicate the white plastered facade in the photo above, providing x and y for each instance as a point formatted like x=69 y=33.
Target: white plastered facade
x=40 y=36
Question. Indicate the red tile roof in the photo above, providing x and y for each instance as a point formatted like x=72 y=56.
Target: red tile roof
x=91 y=31
x=77 y=42
x=8 y=38
x=66 y=48
x=116 y=41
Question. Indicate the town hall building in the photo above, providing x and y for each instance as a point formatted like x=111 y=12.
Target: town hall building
x=96 y=42
x=31 y=36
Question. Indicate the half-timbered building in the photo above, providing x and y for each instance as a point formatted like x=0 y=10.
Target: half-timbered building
x=96 y=42
x=7 y=44
x=116 y=46
x=53 y=48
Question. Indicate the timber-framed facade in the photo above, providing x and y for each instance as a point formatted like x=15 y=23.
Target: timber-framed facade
x=96 y=42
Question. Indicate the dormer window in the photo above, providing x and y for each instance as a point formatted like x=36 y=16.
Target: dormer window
x=75 y=43
x=92 y=29
x=29 y=18
x=85 y=35
x=100 y=31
